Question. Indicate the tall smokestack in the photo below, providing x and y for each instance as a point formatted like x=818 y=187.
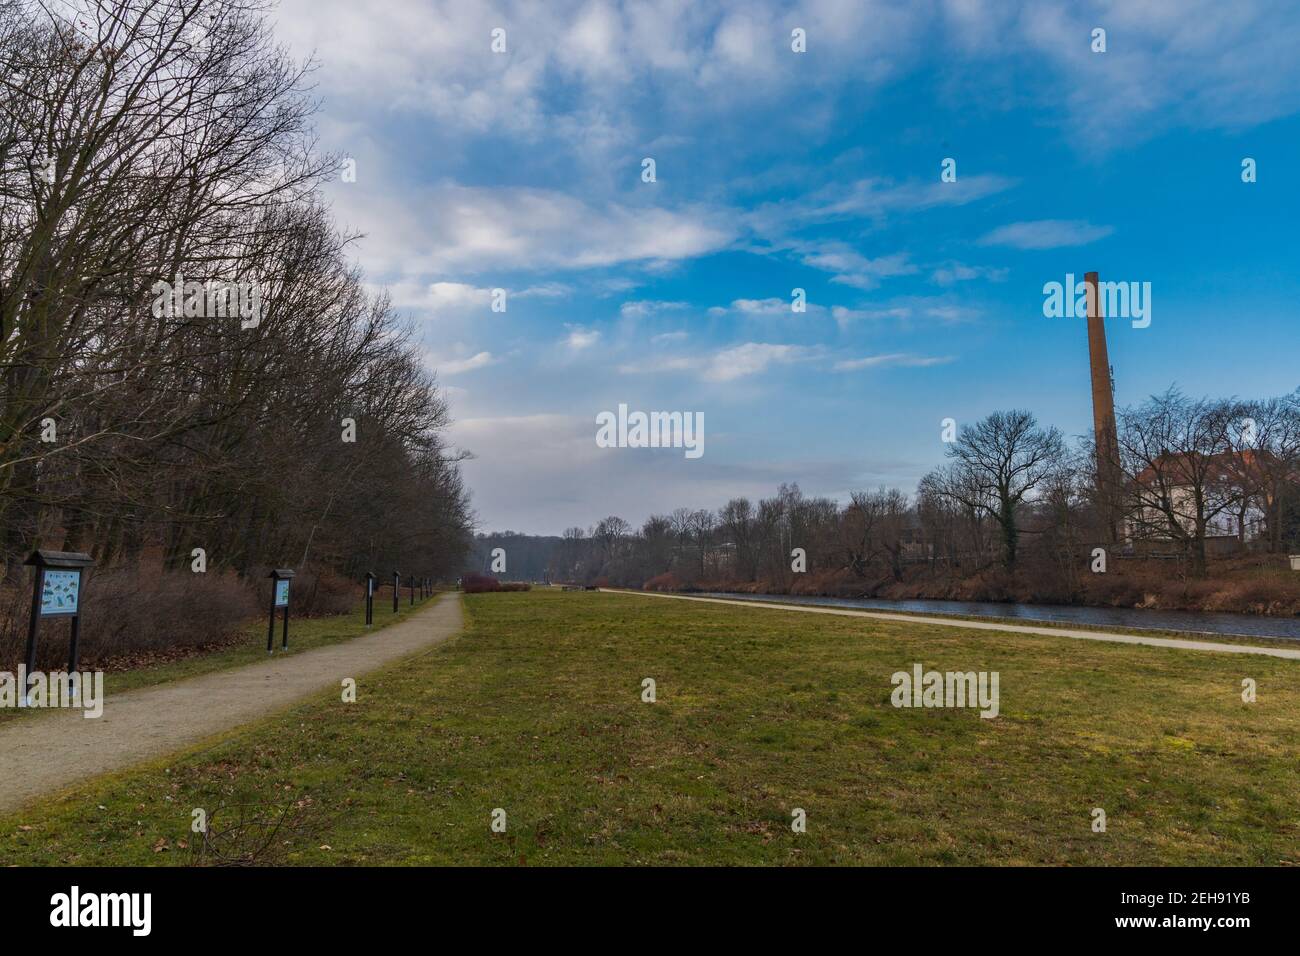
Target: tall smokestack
x=1103 y=411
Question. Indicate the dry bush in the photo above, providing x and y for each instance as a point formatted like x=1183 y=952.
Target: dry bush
x=1255 y=596
x=247 y=835
x=479 y=583
x=663 y=582
x=315 y=593
x=1114 y=590
x=483 y=583
x=133 y=611
x=831 y=583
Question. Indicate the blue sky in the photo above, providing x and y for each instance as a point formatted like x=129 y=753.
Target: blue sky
x=821 y=170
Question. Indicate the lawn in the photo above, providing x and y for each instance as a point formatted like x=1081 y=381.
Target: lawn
x=537 y=711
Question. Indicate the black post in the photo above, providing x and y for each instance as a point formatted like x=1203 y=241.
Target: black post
x=397 y=586
x=412 y=583
x=370 y=598
x=31 y=628
x=270 y=627
x=284 y=646
x=72 y=646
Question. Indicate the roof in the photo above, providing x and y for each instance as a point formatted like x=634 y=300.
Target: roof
x=1183 y=468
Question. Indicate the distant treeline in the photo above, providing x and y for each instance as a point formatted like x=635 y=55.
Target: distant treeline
x=526 y=557
x=1193 y=478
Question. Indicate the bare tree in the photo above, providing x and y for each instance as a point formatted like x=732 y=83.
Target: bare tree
x=998 y=463
x=1175 y=452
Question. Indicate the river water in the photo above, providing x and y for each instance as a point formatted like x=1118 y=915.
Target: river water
x=1244 y=625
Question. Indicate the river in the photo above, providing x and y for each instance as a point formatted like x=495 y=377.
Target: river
x=1242 y=625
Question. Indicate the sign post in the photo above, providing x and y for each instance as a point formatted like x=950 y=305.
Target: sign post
x=280 y=578
x=56 y=592
x=370 y=598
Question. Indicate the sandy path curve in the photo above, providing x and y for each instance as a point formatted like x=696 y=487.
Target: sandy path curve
x=1115 y=638
x=43 y=753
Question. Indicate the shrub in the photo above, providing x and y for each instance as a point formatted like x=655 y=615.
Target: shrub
x=323 y=592
x=129 y=612
x=479 y=583
x=482 y=583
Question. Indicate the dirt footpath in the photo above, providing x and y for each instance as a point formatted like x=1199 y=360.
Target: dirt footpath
x=43 y=753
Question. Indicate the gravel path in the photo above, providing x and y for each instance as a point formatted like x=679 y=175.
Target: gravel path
x=1292 y=653
x=46 y=752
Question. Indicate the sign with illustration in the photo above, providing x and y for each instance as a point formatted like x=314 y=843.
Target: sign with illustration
x=59 y=591
x=281 y=593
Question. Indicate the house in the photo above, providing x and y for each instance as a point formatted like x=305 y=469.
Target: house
x=1235 y=498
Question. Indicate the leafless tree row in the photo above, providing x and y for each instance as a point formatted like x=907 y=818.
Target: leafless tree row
x=270 y=410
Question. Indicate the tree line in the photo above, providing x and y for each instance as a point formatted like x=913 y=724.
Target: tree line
x=1011 y=494
x=154 y=156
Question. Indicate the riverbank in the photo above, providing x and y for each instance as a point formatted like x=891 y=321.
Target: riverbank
x=1260 y=585
x=1238 y=628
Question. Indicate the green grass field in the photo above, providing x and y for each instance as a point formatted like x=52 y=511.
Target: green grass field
x=537 y=710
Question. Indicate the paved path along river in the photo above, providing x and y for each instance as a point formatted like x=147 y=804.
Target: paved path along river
x=46 y=752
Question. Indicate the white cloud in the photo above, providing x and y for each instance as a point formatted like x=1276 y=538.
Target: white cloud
x=955 y=272
x=547 y=290
x=853 y=269
x=903 y=359
x=646 y=307
x=456 y=366
x=455 y=230
x=580 y=338
x=1046 y=234
x=671 y=363
x=441 y=297
x=871 y=198
x=907 y=309
x=945 y=312
x=844 y=316
x=724 y=365
x=752 y=358
x=770 y=307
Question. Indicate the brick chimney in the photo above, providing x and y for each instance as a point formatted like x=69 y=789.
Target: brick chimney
x=1103 y=412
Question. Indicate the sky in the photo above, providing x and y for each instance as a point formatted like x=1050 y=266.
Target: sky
x=821 y=170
